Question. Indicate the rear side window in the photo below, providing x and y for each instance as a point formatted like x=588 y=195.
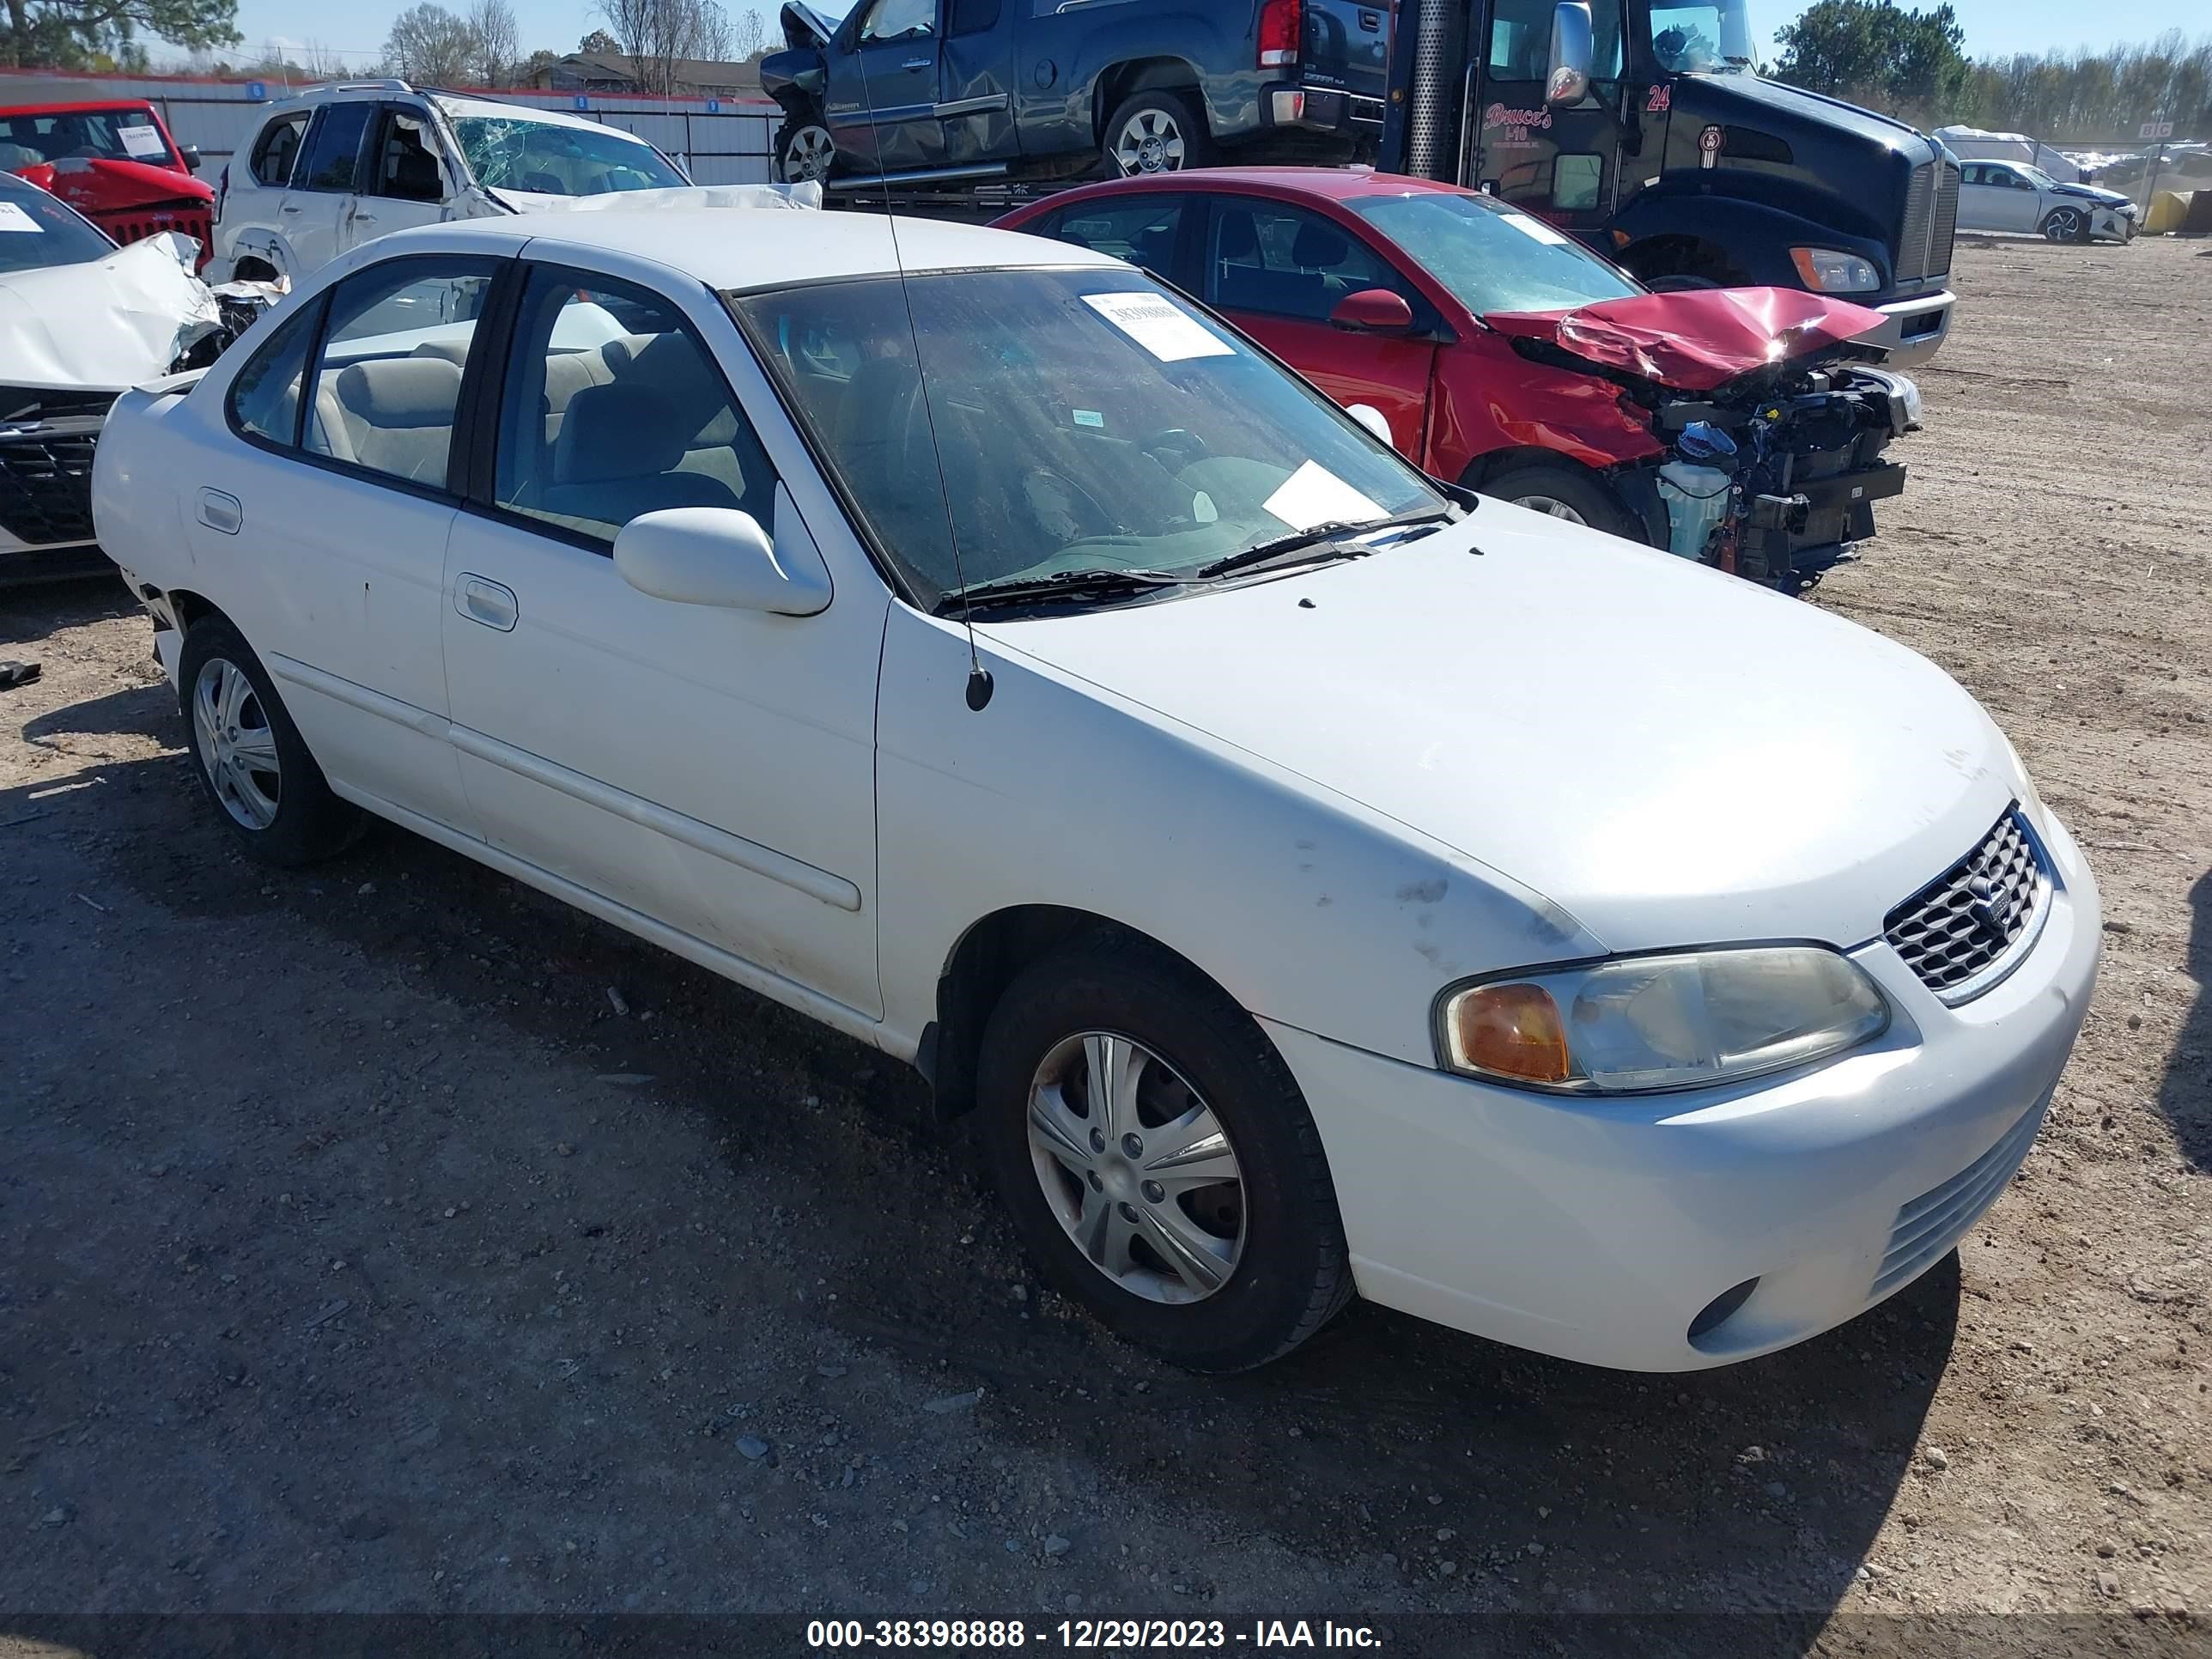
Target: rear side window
x=1141 y=229
x=264 y=398
x=277 y=148
x=333 y=159
x=1286 y=262
x=387 y=382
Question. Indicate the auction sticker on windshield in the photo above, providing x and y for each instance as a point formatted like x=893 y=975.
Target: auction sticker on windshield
x=13 y=218
x=1313 y=495
x=142 y=140
x=1528 y=225
x=1157 y=326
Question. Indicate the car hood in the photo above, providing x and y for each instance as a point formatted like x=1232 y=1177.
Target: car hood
x=804 y=26
x=106 y=324
x=1754 y=93
x=2109 y=198
x=1672 y=756
x=1697 y=341
x=95 y=184
x=675 y=198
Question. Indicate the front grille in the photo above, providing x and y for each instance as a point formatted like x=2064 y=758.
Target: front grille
x=1973 y=918
x=45 y=489
x=1919 y=213
x=33 y=403
x=1943 y=228
x=1931 y=1224
x=135 y=224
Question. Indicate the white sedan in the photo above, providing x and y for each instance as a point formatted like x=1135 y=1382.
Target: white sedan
x=1313 y=879
x=2014 y=196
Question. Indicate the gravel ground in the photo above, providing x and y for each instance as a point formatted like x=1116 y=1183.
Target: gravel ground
x=359 y=1253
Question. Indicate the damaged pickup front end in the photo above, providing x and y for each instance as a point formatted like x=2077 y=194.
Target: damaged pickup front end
x=1767 y=424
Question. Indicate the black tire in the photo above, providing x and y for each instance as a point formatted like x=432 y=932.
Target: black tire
x=1591 y=500
x=2066 y=224
x=816 y=136
x=310 y=823
x=1168 y=113
x=1292 y=1274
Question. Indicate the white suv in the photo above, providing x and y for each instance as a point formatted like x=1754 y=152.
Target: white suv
x=339 y=165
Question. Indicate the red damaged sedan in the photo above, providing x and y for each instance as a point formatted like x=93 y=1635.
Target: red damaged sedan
x=1739 y=426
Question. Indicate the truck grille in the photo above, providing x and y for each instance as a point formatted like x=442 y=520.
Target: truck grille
x=128 y=225
x=45 y=489
x=1977 y=918
x=1943 y=227
x=1931 y=222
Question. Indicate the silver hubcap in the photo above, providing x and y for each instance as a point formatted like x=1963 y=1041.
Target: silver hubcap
x=1137 y=1168
x=2063 y=226
x=808 y=156
x=1552 y=505
x=237 y=749
x=1149 y=141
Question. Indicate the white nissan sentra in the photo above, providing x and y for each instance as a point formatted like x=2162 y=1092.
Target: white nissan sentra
x=1314 y=880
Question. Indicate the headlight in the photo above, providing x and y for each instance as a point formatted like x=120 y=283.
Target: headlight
x=1639 y=1025
x=1830 y=270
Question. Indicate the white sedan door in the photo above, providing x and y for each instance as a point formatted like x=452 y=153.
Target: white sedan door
x=709 y=768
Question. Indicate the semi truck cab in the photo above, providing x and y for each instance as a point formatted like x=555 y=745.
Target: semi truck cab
x=1643 y=128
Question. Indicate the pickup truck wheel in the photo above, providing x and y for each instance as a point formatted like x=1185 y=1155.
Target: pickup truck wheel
x=2066 y=224
x=1158 y=1158
x=251 y=758
x=804 y=152
x=1156 y=132
x=1564 y=495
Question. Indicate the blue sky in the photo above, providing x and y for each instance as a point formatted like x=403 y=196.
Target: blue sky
x=1993 y=27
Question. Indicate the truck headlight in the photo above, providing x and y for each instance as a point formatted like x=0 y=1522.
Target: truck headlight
x=1831 y=271
x=1642 y=1025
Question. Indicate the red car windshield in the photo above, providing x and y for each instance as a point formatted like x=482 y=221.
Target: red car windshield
x=1491 y=256
x=100 y=135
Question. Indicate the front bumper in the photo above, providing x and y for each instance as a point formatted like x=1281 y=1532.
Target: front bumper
x=1599 y=1231
x=1914 y=330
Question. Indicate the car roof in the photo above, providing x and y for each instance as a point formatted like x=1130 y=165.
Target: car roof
x=730 y=248
x=93 y=105
x=453 y=103
x=1312 y=184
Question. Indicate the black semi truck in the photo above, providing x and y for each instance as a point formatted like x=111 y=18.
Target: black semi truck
x=1643 y=128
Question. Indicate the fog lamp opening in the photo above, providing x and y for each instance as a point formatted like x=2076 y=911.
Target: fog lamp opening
x=1718 y=1311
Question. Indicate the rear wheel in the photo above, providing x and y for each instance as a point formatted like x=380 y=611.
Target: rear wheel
x=1158 y=1158
x=2066 y=224
x=1155 y=132
x=1562 y=493
x=804 y=152
x=251 y=758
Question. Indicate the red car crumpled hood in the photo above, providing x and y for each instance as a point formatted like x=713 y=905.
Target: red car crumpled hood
x=93 y=184
x=1696 y=341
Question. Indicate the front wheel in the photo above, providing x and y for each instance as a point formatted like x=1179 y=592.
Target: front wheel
x=1158 y=1158
x=804 y=152
x=2066 y=224
x=1155 y=132
x=1560 y=493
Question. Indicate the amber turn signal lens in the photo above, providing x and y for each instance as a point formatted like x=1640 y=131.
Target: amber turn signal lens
x=1510 y=1031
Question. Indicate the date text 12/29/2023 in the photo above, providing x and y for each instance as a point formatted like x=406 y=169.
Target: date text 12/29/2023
x=1107 y=1635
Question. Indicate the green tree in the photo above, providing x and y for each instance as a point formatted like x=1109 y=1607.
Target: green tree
x=1877 y=52
x=97 y=34
x=599 y=40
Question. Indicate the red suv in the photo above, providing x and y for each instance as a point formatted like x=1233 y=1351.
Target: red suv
x=114 y=162
x=1734 y=426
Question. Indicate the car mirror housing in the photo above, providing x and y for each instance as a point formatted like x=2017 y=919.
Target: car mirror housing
x=190 y=154
x=1374 y=311
x=1573 y=52
x=1374 y=420
x=717 y=555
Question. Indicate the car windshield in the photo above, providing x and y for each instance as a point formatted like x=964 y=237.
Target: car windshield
x=37 y=231
x=552 y=159
x=99 y=134
x=1491 y=256
x=1703 y=39
x=1088 y=421
x=2038 y=177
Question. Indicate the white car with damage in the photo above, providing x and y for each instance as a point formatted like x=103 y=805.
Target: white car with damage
x=1316 y=880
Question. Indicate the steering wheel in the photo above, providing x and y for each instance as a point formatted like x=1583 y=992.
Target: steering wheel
x=1063 y=508
x=1175 y=447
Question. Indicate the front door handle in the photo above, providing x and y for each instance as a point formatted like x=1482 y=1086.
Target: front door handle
x=220 y=512
x=488 y=602
x=918 y=63
x=360 y=218
x=290 y=207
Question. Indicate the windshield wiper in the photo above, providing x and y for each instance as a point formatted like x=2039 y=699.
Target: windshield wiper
x=1104 y=584
x=1323 y=541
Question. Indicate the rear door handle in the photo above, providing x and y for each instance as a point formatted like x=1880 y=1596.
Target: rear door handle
x=484 y=601
x=290 y=207
x=222 y=511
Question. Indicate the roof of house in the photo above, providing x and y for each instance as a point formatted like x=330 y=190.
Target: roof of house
x=688 y=71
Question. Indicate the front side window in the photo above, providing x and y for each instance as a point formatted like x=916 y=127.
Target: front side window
x=387 y=381
x=613 y=409
x=37 y=231
x=1491 y=256
x=1086 y=420
x=333 y=160
x=264 y=398
x=275 y=150
x=1287 y=262
x=405 y=167
x=1706 y=39
x=900 y=20
x=1141 y=229
x=549 y=158
x=1520 y=40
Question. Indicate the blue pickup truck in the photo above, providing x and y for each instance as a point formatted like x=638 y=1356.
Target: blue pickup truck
x=943 y=92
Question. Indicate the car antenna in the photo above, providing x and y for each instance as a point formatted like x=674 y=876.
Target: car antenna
x=979 y=678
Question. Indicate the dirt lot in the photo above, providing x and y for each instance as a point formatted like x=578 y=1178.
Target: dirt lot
x=357 y=1253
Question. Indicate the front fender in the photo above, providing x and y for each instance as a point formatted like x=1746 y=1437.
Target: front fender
x=1307 y=907
x=1755 y=236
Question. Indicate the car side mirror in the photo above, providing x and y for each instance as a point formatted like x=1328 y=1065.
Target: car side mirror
x=1374 y=420
x=190 y=154
x=1373 y=311
x=1573 y=52
x=718 y=556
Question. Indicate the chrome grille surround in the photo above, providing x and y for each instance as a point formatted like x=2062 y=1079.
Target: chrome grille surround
x=1970 y=928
